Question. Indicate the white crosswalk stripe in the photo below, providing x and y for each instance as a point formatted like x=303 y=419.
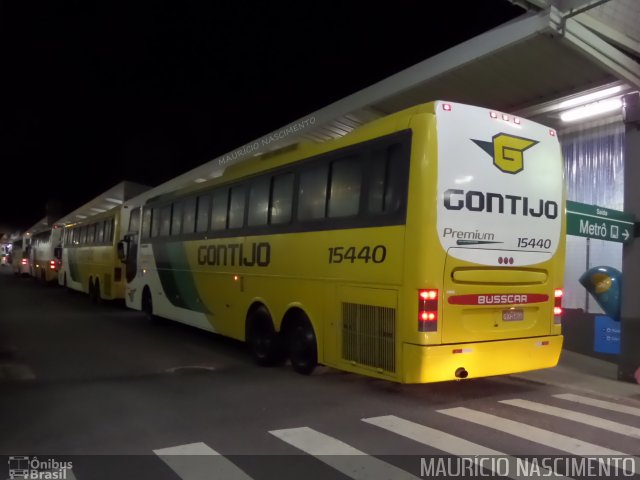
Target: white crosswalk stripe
x=339 y=455
x=198 y=461
x=614 y=407
x=528 y=432
x=445 y=442
x=579 y=417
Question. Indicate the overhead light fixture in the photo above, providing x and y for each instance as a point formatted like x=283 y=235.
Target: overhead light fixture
x=99 y=210
x=81 y=216
x=113 y=200
x=200 y=180
x=592 y=109
x=590 y=97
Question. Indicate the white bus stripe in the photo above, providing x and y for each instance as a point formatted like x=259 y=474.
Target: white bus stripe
x=446 y=442
x=337 y=454
x=529 y=432
x=614 y=407
x=583 y=418
x=197 y=461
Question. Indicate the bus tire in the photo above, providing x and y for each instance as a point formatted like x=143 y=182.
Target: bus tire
x=97 y=298
x=264 y=342
x=147 y=305
x=302 y=346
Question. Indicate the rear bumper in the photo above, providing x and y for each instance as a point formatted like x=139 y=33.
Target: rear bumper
x=424 y=364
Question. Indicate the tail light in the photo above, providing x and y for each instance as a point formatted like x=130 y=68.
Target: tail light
x=53 y=264
x=557 y=306
x=427 y=310
x=23 y=261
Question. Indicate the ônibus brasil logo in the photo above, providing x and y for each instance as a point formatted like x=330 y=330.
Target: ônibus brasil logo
x=506 y=151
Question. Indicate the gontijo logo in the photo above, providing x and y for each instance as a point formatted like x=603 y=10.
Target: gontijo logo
x=507 y=151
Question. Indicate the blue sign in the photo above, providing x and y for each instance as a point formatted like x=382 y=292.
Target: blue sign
x=606 y=335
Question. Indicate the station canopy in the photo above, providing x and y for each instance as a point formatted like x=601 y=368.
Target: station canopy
x=555 y=52
x=114 y=197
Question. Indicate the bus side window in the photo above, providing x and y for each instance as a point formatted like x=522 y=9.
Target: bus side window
x=259 y=202
x=108 y=230
x=91 y=233
x=146 y=223
x=202 y=215
x=155 y=222
x=189 y=215
x=312 y=193
x=385 y=179
x=134 y=220
x=282 y=199
x=165 y=220
x=100 y=232
x=236 y=206
x=176 y=218
x=219 y=210
x=346 y=180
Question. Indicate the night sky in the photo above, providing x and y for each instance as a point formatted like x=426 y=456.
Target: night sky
x=98 y=92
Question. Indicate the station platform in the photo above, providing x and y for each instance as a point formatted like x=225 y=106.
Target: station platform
x=586 y=374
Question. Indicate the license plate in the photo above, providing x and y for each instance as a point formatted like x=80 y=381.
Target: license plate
x=514 y=315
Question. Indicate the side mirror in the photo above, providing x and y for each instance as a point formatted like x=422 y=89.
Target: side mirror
x=57 y=253
x=123 y=250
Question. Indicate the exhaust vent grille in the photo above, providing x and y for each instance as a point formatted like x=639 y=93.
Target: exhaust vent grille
x=369 y=335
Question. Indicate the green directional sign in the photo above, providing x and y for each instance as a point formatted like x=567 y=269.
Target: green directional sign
x=591 y=221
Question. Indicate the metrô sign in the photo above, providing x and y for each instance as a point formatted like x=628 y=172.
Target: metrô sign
x=591 y=221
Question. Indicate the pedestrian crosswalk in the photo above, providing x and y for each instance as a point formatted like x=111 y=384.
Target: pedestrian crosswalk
x=499 y=424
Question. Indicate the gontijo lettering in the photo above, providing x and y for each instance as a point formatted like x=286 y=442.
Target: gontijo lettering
x=474 y=201
x=233 y=254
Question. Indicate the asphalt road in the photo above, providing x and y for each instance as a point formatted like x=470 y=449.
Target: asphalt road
x=123 y=397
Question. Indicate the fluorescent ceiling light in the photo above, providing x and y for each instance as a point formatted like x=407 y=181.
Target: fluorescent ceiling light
x=113 y=200
x=590 y=97
x=99 y=210
x=81 y=216
x=200 y=180
x=591 y=110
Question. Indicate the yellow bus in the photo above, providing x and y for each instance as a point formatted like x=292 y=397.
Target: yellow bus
x=424 y=246
x=44 y=264
x=89 y=260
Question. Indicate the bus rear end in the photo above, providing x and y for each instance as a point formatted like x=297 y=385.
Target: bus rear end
x=499 y=229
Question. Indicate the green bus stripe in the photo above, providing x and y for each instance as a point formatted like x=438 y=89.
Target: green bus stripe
x=176 y=277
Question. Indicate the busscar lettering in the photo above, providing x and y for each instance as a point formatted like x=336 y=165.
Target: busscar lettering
x=501 y=299
x=475 y=201
x=235 y=255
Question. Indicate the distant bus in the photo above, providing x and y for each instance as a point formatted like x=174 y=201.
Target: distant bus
x=44 y=264
x=424 y=246
x=89 y=261
x=20 y=256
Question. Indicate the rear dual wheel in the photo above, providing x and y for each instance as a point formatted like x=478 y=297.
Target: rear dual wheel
x=264 y=342
x=268 y=347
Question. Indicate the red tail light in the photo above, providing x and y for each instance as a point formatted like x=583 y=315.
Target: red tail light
x=427 y=310
x=557 y=306
x=53 y=264
x=23 y=261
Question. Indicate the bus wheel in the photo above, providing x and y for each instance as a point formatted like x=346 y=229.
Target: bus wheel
x=264 y=342
x=303 y=348
x=97 y=299
x=147 y=305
